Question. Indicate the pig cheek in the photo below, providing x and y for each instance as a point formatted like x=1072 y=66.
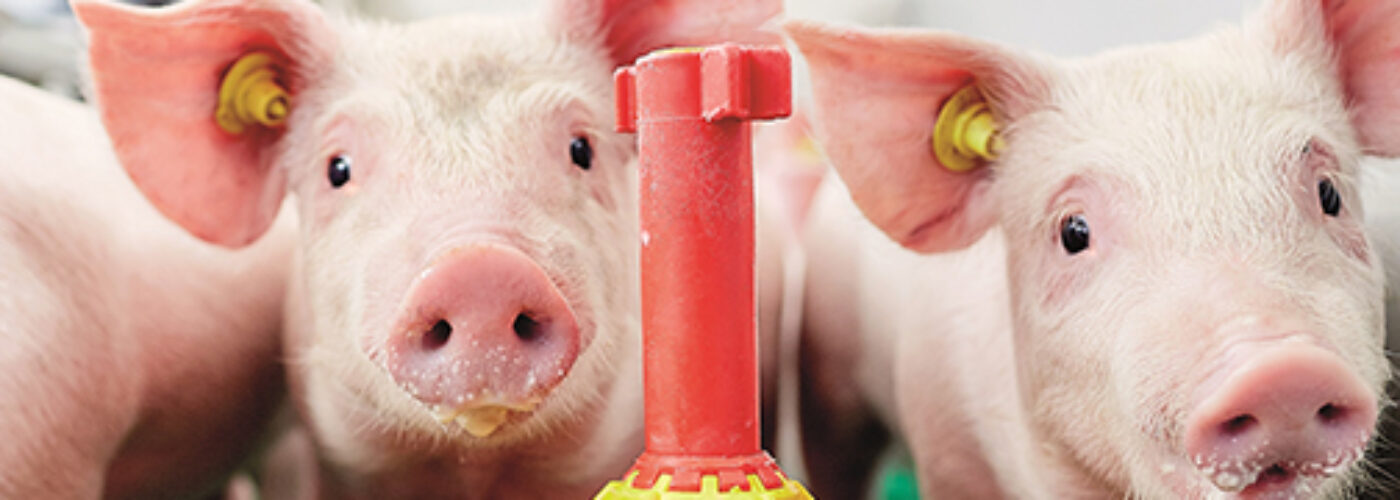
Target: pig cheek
x=593 y=274
x=1352 y=240
x=358 y=272
x=1075 y=343
x=608 y=182
x=1060 y=281
x=384 y=278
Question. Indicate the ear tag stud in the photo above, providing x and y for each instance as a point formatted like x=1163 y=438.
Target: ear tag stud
x=966 y=132
x=250 y=95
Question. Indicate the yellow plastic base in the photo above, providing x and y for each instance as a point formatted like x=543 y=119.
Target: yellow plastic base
x=709 y=489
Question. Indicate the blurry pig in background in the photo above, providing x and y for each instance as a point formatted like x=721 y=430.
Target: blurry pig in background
x=138 y=362
x=1162 y=288
x=463 y=309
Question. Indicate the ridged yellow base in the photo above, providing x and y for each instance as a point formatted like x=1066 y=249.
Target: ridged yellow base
x=709 y=490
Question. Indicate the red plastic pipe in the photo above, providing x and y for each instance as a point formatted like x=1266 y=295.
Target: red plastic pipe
x=691 y=111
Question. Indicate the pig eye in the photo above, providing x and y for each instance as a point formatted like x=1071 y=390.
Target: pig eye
x=581 y=153
x=338 y=170
x=1327 y=194
x=1074 y=234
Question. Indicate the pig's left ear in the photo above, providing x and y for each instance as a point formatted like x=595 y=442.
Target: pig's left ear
x=1363 y=37
x=631 y=28
x=159 y=80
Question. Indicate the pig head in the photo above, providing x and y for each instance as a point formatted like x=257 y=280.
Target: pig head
x=1196 y=307
x=465 y=290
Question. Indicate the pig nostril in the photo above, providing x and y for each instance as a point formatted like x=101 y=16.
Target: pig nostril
x=437 y=336
x=526 y=328
x=1330 y=413
x=1238 y=425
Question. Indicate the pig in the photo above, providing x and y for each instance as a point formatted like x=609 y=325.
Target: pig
x=462 y=307
x=1161 y=287
x=139 y=362
x=787 y=169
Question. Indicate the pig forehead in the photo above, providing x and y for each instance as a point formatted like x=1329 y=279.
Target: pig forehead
x=1221 y=112
x=455 y=65
x=1224 y=93
x=1191 y=139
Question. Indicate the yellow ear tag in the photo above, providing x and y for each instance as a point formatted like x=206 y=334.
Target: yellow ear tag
x=249 y=95
x=965 y=134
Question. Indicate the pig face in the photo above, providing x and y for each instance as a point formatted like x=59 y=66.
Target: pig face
x=1196 y=307
x=1178 y=246
x=490 y=207
x=467 y=212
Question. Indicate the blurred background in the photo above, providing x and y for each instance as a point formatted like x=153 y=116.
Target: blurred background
x=40 y=44
x=39 y=41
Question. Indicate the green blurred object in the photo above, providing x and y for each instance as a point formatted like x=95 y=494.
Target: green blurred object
x=897 y=482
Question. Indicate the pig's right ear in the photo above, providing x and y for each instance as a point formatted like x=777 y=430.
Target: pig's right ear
x=156 y=78
x=878 y=94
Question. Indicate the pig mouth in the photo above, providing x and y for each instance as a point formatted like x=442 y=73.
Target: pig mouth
x=1275 y=481
x=481 y=419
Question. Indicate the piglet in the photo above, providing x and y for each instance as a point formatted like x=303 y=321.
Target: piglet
x=1160 y=287
x=462 y=311
x=138 y=362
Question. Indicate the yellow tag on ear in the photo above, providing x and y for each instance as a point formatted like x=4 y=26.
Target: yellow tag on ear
x=249 y=95
x=966 y=133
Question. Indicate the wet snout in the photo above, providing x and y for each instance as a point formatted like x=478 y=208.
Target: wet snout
x=1286 y=415
x=484 y=334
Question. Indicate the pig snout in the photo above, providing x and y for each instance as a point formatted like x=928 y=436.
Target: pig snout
x=1286 y=415
x=484 y=334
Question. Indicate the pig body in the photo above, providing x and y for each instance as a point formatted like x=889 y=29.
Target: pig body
x=462 y=314
x=1160 y=288
x=139 y=362
x=946 y=386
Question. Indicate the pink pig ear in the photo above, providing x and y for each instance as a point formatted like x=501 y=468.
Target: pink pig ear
x=1364 y=38
x=631 y=28
x=877 y=97
x=156 y=78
